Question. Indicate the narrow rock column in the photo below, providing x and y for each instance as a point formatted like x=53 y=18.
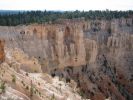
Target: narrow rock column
x=2 y=54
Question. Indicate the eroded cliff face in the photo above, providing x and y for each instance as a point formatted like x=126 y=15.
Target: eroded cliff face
x=97 y=54
x=19 y=81
x=2 y=54
x=54 y=45
x=109 y=60
x=115 y=59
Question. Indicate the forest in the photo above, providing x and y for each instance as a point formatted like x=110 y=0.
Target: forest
x=28 y=17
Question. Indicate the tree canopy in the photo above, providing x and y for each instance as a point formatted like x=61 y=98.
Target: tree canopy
x=28 y=17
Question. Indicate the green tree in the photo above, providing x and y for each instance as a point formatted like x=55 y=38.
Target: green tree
x=3 y=87
x=13 y=78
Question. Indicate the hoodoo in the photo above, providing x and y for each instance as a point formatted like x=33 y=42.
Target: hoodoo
x=2 y=54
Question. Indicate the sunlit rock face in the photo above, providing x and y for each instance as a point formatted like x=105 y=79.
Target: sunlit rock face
x=22 y=67
x=2 y=54
x=71 y=42
x=54 y=45
x=109 y=59
x=90 y=52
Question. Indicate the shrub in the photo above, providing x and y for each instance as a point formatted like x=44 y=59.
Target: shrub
x=13 y=78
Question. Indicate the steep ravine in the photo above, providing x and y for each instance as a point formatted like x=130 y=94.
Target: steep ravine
x=97 y=54
x=109 y=57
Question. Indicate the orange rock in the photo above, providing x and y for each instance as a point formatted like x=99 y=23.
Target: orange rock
x=2 y=54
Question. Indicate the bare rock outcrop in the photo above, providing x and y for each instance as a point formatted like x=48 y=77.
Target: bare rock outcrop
x=22 y=84
x=90 y=52
x=54 y=45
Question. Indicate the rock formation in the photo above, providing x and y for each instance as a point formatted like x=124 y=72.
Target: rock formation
x=23 y=83
x=97 y=54
x=2 y=54
x=54 y=45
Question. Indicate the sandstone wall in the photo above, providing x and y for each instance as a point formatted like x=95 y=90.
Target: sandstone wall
x=70 y=42
x=97 y=54
x=54 y=45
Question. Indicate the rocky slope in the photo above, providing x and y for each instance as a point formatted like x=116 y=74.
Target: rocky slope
x=97 y=54
x=23 y=84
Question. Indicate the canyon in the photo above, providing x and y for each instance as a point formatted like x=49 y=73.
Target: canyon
x=96 y=55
